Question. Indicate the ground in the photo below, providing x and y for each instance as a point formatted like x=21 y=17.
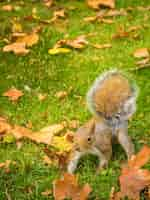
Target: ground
x=44 y=73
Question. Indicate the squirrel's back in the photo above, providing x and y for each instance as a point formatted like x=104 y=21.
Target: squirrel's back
x=109 y=93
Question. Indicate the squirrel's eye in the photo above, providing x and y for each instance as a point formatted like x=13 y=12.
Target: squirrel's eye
x=89 y=139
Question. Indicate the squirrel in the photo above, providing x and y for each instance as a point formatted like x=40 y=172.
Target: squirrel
x=112 y=101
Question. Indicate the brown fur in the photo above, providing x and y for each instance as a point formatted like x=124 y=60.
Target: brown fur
x=112 y=94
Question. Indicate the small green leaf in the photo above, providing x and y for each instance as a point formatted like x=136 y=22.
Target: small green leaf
x=56 y=51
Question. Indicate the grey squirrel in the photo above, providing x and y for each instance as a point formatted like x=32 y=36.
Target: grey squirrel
x=112 y=101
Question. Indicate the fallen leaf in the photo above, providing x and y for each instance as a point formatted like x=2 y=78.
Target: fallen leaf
x=143 y=61
x=4 y=126
x=61 y=143
x=140 y=159
x=121 y=34
x=95 y=4
x=133 y=179
x=68 y=188
x=19 y=48
x=77 y=43
x=54 y=128
x=61 y=94
x=42 y=97
x=141 y=53
x=13 y=94
x=48 y=3
x=115 y=12
x=44 y=136
x=143 y=8
x=46 y=193
x=102 y=46
x=20 y=132
x=54 y=157
x=56 y=51
x=7 y=7
x=29 y=39
x=58 y=14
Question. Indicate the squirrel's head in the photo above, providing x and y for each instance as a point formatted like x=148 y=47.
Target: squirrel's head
x=84 y=137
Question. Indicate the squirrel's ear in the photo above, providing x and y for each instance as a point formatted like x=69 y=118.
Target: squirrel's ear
x=92 y=128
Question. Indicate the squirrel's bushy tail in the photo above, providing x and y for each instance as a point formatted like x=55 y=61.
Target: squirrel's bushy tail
x=111 y=94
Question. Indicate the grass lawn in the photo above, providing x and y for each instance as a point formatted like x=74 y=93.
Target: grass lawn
x=44 y=73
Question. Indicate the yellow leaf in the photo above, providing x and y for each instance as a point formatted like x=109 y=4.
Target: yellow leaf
x=61 y=143
x=56 y=51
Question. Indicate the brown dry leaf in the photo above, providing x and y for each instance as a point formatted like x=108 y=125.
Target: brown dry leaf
x=115 y=12
x=68 y=188
x=141 y=53
x=7 y=7
x=77 y=43
x=54 y=157
x=42 y=97
x=90 y=19
x=20 y=132
x=45 y=135
x=58 y=14
x=46 y=193
x=143 y=61
x=48 y=3
x=61 y=94
x=141 y=158
x=13 y=94
x=102 y=46
x=121 y=33
x=29 y=39
x=95 y=4
x=133 y=179
x=55 y=129
x=19 y=48
x=4 y=126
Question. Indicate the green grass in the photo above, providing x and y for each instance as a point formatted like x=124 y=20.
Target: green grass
x=44 y=73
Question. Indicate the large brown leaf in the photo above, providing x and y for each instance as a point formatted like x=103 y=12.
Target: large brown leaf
x=43 y=136
x=133 y=179
x=68 y=188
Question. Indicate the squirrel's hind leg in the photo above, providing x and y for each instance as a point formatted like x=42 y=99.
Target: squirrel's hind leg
x=125 y=141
